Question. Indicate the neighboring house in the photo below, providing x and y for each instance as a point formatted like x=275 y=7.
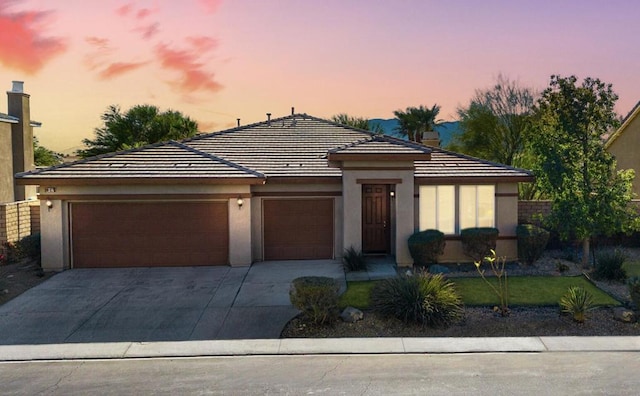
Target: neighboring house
x=16 y=145
x=624 y=144
x=292 y=188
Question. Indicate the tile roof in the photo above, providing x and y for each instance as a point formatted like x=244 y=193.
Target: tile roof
x=292 y=146
x=160 y=160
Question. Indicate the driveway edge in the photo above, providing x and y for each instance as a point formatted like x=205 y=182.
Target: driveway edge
x=316 y=346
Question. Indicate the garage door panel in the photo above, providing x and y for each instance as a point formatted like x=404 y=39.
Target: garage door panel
x=298 y=229
x=143 y=234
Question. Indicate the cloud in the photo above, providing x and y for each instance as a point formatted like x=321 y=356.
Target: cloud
x=124 y=10
x=148 y=31
x=24 y=44
x=99 y=42
x=119 y=68
x=202 y=43
x=209 y=6
x=143 y=13
x=193 y=77
x=140 y=17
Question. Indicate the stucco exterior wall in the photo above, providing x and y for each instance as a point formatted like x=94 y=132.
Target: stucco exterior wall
x=6 y=164
x=625 y=149
x=54 y=226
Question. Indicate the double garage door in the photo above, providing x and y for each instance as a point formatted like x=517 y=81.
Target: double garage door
x=149 y=234
x=160 y=234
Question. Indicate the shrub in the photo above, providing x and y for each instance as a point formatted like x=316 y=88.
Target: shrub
x=29 y=248
x=354 y=260
x=316 y=297
x=577 y=302
x=634 y=290
x=532 y=241
x=501 y=288
x=609 y=264
x=426 y=246
x=477 y=243
x=431 y=300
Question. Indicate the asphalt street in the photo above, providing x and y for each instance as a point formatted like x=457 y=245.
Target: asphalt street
x=557 y=373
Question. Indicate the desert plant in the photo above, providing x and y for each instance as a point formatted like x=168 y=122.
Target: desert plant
x=501 y=286
x=426 y=246
x=477 y=243
x=577 y=302
x=316 y=297
x=354 y=260
x=531 y=242
x=29 y=248
x=634 y=290
x=561 y=267
x=422 y=298
x=609 y=264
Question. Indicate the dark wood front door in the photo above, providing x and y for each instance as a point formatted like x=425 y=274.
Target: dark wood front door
x=375 y=218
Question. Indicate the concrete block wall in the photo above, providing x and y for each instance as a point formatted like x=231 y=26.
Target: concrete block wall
x=528 y=211
x=16 y=221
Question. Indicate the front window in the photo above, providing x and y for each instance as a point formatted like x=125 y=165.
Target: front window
x=453 y=208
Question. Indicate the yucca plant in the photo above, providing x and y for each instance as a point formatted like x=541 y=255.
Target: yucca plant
x=354 y=260
x=577 y=302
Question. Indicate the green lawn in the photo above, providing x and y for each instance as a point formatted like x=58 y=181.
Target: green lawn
x=632 y=268
x=524 y=290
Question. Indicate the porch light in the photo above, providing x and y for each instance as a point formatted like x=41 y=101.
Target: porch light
x=240 y=202
x=392 y=194
x=49 y=204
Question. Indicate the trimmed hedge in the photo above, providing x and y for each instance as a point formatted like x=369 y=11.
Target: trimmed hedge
x=477 y=243
x=317 y=297
x=532 y=240
x=426 y=246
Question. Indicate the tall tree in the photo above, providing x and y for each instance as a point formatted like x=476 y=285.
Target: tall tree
x=495 y=126
x=413 y=121
x=140 y=125
x=42 y=156
x=356 y=122
x=589 y=196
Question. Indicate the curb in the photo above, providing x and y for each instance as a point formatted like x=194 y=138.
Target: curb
x=316 y=346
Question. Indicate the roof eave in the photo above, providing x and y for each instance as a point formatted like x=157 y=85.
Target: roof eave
x=378 y=157
x=81 y=181
x=432 y=180
x=624 y=126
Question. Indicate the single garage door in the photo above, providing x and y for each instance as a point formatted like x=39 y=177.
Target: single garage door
x=298 y=229
x=149 y=234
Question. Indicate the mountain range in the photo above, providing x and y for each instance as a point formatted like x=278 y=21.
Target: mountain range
x=446 y=129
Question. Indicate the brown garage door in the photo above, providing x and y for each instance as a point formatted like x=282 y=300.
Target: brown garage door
x=298 y=229
x=149 y=234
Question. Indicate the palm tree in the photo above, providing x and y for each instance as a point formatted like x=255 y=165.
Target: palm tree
x=416 y=120
x=356 y=122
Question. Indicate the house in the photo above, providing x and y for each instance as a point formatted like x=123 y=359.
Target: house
x=16 y=145
x=292 y=188
x=624 y=143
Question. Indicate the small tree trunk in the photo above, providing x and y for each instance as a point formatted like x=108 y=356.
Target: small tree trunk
x=585 y=253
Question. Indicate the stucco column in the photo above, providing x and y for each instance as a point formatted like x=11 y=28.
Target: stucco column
x=404 y=202
x=352 y=211
x=52 y=231
x=239 y=232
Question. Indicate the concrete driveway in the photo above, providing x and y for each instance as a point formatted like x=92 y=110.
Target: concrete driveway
x=158 y=304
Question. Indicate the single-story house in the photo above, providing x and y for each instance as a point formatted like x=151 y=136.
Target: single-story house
x=624 y=142
x=292 y=188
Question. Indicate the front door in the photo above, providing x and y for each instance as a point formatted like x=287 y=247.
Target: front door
x=375 y=218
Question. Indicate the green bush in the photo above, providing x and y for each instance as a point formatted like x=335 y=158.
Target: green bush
x=431 y=300
x=426 y=246
x=316 y=297
x=577 y=302
x=29 y=248
x=354 y=260
x=634 y=290
x=532 y=241
x=609 y=264
x=477 y=243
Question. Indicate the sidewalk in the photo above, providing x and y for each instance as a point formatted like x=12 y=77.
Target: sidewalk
x=315 y=346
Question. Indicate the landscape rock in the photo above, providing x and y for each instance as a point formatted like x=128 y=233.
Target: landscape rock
x=623 y=314
x=351 y=315
x=439 y=269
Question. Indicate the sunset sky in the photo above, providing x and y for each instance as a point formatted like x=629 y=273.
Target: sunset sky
x=218 y=60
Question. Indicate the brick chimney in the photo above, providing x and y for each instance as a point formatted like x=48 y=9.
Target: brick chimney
x=21 y=138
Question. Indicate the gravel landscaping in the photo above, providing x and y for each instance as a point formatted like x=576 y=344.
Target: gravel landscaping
x=483 y=321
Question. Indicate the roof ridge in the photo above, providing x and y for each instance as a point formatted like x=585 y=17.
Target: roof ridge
x=484 y=161
x=216 y=158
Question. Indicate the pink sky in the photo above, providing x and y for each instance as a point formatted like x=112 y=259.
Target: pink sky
x=218 y=60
